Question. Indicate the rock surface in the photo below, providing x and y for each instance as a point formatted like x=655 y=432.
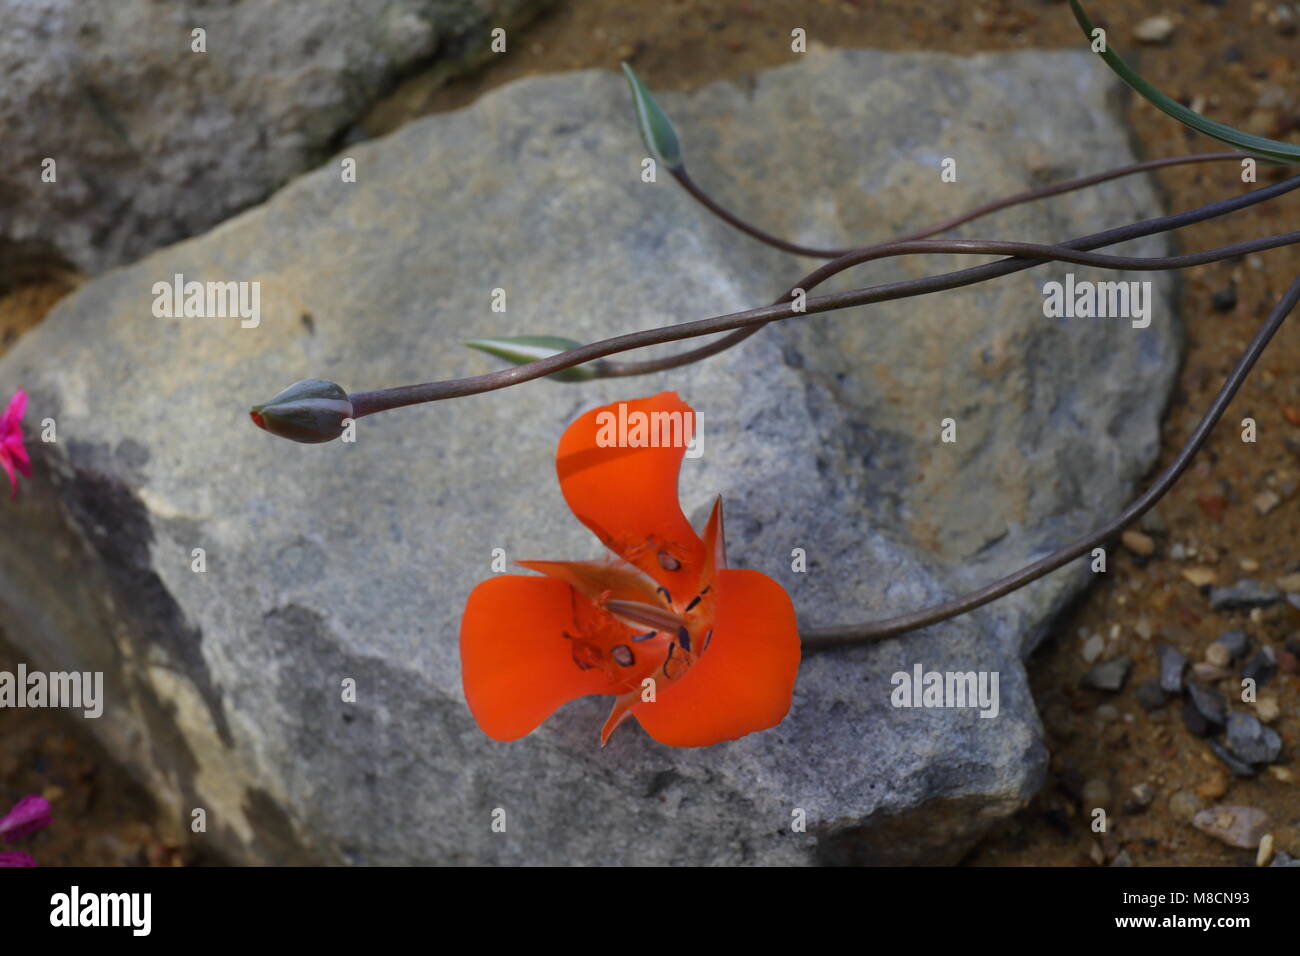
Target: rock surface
x=353 y=560
x=155 y=142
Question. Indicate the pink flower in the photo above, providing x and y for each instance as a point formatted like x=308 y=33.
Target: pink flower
x=29 y=814
x=12 y=453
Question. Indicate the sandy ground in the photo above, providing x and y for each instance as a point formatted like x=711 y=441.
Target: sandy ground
x=1233 y=515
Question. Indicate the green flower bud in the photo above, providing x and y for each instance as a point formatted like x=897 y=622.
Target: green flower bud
x=311 y=411
x=656 y=129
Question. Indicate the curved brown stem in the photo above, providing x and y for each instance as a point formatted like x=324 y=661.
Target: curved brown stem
x=819 y=638
x=368 y=403
x=613 y=370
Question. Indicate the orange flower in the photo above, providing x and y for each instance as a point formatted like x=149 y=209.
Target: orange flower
x=697 y=651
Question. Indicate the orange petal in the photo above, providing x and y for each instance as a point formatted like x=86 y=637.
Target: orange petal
x=744 y=680
x=517 y=666
x=627 y=493
x=620 y=712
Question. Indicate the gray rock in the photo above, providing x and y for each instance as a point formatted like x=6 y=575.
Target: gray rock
x=1285 y=859
x=354 y=560
x=1244 y=595
x=1250 y=740
x=1204 y=710
x=1108 y=675
x=1236 y=642
x=155 y=142
x=1172 y=666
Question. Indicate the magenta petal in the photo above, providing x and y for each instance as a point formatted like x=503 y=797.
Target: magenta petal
x=15 y=858
x=19 y=455
x=14 y=413
x=29 y=814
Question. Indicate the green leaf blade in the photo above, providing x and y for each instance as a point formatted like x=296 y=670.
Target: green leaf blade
x=522 y=349
x=1259 y=146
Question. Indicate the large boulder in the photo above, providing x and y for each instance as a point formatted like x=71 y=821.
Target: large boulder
x=354 y=560
x=153 y=140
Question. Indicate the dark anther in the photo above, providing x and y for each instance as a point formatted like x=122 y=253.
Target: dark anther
x=695 y=600
x=668 y=562
x=664 y=591
x=671 y=648
x=684 y=636
x=707 y=589
x=644 y=637
x=707 y=637
x=623 y=656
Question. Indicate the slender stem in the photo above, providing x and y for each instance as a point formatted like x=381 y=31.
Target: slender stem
x=1069 y=185
x=818 y=638
x=1020 y=250
x=613 y=370
x=368 y=403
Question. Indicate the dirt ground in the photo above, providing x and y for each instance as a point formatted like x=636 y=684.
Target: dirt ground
x=1233 y=515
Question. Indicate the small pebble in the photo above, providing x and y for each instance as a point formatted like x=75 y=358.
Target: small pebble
x=1236 y=642
x=1241 y=827
x=1092 y=648
x=1249 y=565
x=1265 y=854
x=1108 y=675
x=1144 y=629
x=1178 y=551
x=1289 y=582
x=1250 y=740
x=1200 y=577
x=1204 y=710
x=1282 y=858
x=1267 y=709
x=1218 y=655
x=1244 y=595
x=1266 y=501
x=1230 y=760
x=1261 y=667
x=1107 y=713
x=1207 y=673
x=1122 y=859
x=1172 y=666
x=1143 y=794
x=1281 y=773
x=1155 y=29
x=1137 y=542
